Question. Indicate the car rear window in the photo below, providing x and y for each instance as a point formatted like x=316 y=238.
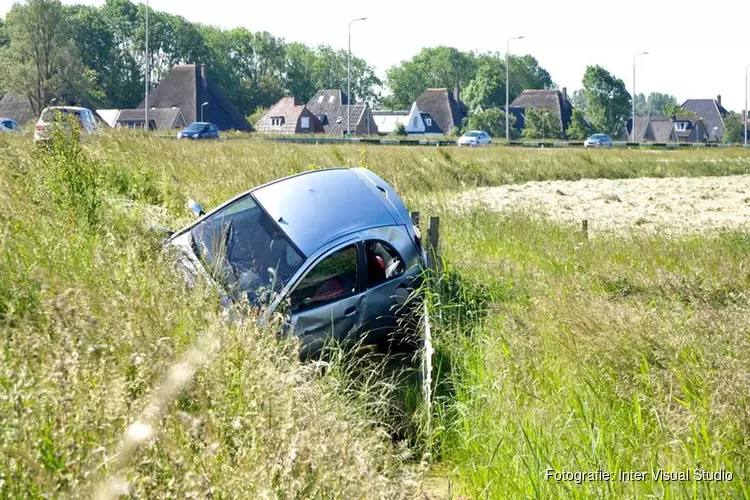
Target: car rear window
x=49 y=115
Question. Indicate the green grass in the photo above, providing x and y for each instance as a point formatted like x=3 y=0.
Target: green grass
x=553 y=351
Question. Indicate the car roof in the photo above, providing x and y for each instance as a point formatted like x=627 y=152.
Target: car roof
x=317 y=207
x=72 y=108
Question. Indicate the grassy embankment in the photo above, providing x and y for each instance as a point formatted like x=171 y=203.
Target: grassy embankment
x=553 y=351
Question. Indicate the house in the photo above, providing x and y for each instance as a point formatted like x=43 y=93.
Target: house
x=159 y=118
x=554 y=101
x=187 y=87
x=18 y=108
x=330 y=107
x=289 y=116
x=712 y=113
x=441 y=110
x=666 y=129
x=412 y=120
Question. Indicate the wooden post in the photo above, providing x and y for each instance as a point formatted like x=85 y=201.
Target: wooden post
x=433 y=244
x=585 y=227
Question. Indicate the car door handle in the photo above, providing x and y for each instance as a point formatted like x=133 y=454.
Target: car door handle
x=351 y=311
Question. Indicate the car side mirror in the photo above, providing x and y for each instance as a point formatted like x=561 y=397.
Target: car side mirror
x=196 y=208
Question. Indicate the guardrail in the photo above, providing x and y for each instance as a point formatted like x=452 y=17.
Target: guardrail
x=520 y=144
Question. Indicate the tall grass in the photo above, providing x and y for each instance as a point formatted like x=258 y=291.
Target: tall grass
x=610 y=353
x=552 y=350
x=117 y=379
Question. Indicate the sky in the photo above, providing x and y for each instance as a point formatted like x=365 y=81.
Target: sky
x=695 y=50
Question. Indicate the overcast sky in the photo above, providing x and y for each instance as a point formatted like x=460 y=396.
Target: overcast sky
x=696 y=50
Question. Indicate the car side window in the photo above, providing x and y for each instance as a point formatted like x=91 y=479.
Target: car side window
x=332 y=279
x=383 y=263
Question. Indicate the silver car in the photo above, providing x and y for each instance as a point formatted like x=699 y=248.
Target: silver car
x=598 y=141
x=475 y=138
x=334 y=249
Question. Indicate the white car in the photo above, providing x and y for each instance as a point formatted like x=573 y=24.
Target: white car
x=84 y=116
x=475 y=138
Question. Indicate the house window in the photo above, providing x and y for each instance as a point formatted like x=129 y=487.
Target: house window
x=330 y=99
x=320 y=99
x=680 y=126
x=277 y=121
x=428 y=122
x=416 y=121
x=305 y=122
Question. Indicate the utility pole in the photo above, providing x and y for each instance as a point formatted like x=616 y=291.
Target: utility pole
x=145 y=126
x=632 y=127
x=744 y=123
x=349 y=80
x=507 y=86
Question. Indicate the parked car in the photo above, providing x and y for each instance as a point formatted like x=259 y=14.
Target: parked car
x=475 y=138
x=334 y=250
x=598 y=141
x=199 y=130
x=8 y=125
x=57 y=114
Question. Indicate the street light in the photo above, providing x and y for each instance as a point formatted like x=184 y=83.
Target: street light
x=349 y=80
x=507 y=86
x=632 y=127
x=145 y=126
x=204 y=104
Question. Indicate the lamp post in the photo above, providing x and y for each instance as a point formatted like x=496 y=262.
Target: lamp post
x=349 y=79
x=507 y=86
x=632 y=127
x=744 y=123
x=145 y=101
x=204 y=104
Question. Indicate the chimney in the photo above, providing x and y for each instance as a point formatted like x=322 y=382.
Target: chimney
x=565 y=93
x=456 y=93
x=718 y=99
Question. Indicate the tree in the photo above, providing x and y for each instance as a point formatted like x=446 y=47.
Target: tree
x=733 y=131
x=578 y=100
x=672 y=109
x=41 y=61
x=541 y=124
x=400 y=130
x=491 y=121
x=4 y=40
x=487 y=89
x=578 y=128
x=608 y=103
x=431 y=67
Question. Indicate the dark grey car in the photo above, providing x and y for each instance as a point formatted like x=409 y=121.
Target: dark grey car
x=335 y=249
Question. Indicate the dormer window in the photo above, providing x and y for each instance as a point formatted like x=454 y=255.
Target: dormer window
x=428 y=122
x=277 y=121
x=680 y=126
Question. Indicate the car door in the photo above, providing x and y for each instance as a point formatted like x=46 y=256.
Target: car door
x=387 y=290
x=327 y=301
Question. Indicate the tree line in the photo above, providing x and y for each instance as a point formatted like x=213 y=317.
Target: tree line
x=95 y=56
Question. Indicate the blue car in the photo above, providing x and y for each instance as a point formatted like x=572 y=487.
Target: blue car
x=8 y=125
x=335 y=250
x=199 y=130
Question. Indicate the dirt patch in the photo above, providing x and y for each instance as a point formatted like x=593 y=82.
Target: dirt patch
x=674 y=205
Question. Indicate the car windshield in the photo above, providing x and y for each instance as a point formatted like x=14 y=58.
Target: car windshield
x=598 y=136
x=50 y=114
x=197 y=127
x=245 y=250
x=472 y=134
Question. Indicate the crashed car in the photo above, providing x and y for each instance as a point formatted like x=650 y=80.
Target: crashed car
x=334 y=250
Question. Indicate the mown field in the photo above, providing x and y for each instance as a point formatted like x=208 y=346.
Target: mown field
x=552 y=350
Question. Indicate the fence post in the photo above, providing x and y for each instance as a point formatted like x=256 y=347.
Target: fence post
x=433 y=244
x=585 y=227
